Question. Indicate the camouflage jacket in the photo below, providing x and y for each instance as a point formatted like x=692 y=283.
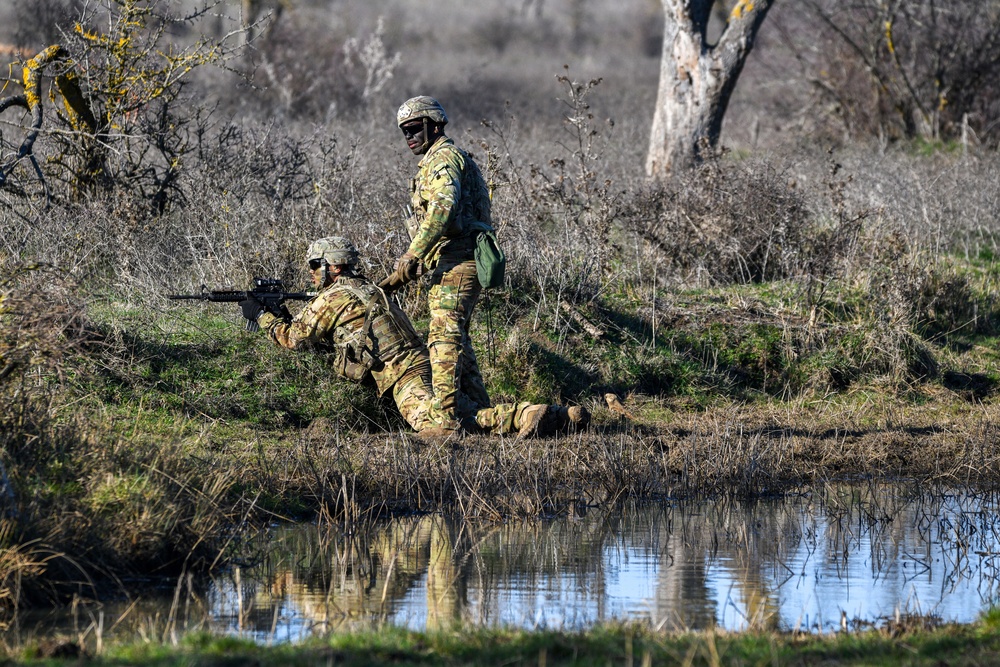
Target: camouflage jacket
x=447 y=195
x=355 y=322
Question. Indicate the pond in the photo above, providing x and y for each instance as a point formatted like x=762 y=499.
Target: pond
x=808 y=561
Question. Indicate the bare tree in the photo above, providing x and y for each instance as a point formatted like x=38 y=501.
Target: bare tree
x=697 y=79
x=258 y=17
x=930 y=69
x=123 y=121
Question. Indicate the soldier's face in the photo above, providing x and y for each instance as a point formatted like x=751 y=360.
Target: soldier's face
x=415 y=133
x=318 y=271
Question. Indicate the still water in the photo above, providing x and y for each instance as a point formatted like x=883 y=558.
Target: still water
x=808 y=561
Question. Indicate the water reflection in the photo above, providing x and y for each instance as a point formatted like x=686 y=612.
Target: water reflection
x=804 y=561
x=799 y=562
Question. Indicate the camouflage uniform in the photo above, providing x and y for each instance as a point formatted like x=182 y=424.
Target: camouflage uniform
x=502 y=418
x=367 y=333
x=447 y=195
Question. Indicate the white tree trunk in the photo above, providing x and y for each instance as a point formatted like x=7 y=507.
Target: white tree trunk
x=697 y=79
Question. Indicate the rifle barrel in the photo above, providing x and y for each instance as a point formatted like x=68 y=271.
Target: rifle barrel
x=218 y=297
x=235 y=296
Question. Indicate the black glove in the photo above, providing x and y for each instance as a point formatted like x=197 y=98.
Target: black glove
x=252 y=308
x=279 y=310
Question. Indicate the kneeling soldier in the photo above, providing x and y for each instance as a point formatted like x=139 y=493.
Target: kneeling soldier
x=366 y=333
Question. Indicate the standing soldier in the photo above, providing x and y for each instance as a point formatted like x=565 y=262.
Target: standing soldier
x=448 y=196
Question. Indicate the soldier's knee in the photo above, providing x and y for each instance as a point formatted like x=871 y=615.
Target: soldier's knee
x=444 y=349
x=445 y=325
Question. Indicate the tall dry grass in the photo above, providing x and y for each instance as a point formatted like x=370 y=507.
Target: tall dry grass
x=83 y=505
x=726 y=450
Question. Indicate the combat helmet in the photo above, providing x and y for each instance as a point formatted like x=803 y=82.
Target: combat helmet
x=336 y=250
x=421 y=107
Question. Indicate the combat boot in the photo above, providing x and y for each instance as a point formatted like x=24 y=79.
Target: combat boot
x=536 y=420
x=571 y=419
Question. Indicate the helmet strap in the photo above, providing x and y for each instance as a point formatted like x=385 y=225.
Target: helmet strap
x=427 y=134
x=328 y=276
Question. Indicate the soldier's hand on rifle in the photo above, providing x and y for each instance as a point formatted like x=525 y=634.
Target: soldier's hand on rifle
x=252 y=308
x=279 y=310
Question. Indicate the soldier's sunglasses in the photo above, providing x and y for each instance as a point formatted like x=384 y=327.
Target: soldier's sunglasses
x=316 y=263
x=412 y=129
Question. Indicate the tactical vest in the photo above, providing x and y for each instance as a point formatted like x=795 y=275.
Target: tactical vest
x=385 y=333
x=474 y=202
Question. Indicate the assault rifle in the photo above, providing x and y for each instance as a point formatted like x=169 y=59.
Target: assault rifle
x=269 y=291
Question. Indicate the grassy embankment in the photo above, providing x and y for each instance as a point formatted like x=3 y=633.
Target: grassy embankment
x=768 y=319
x=974 y=644
x=148 y=436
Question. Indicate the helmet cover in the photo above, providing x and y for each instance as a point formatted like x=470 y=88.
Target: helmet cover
x=336 y=250
x=421 y=107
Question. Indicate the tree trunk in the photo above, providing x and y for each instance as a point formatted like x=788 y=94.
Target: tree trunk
x=697 y=79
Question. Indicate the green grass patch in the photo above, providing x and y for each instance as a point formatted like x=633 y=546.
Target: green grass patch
x=612 y=644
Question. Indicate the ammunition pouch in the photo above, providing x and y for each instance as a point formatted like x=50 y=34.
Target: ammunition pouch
x=349 y=369
x=491 y=262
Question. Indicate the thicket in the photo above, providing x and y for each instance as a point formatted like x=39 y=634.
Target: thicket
x=764 y=276
x=897 y=70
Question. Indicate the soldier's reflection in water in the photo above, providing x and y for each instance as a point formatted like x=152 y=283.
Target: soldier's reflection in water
x=736 y=541
x=375 y=577
x=365 y=579
x=446 y=588
x=357 y=579
x=554 y=571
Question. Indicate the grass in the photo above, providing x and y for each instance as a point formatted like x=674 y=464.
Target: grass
x=892 y=644
x=738 y=357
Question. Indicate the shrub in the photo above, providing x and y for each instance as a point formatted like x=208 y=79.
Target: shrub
x=125 y=121
x=329 y=80
x=82 y=500
x=726 y=222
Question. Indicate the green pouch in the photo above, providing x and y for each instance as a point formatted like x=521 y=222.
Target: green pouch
x=491 y=263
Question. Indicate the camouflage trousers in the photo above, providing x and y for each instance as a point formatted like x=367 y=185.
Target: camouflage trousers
x=501 y=418
x=454 y=291
x=414 y=397
x=416 y=402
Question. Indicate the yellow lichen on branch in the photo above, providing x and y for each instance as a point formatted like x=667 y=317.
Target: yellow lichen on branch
x=88 y=35
x=888 y=38
x=742 y=8
x=79 y=112
x=31 y=73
